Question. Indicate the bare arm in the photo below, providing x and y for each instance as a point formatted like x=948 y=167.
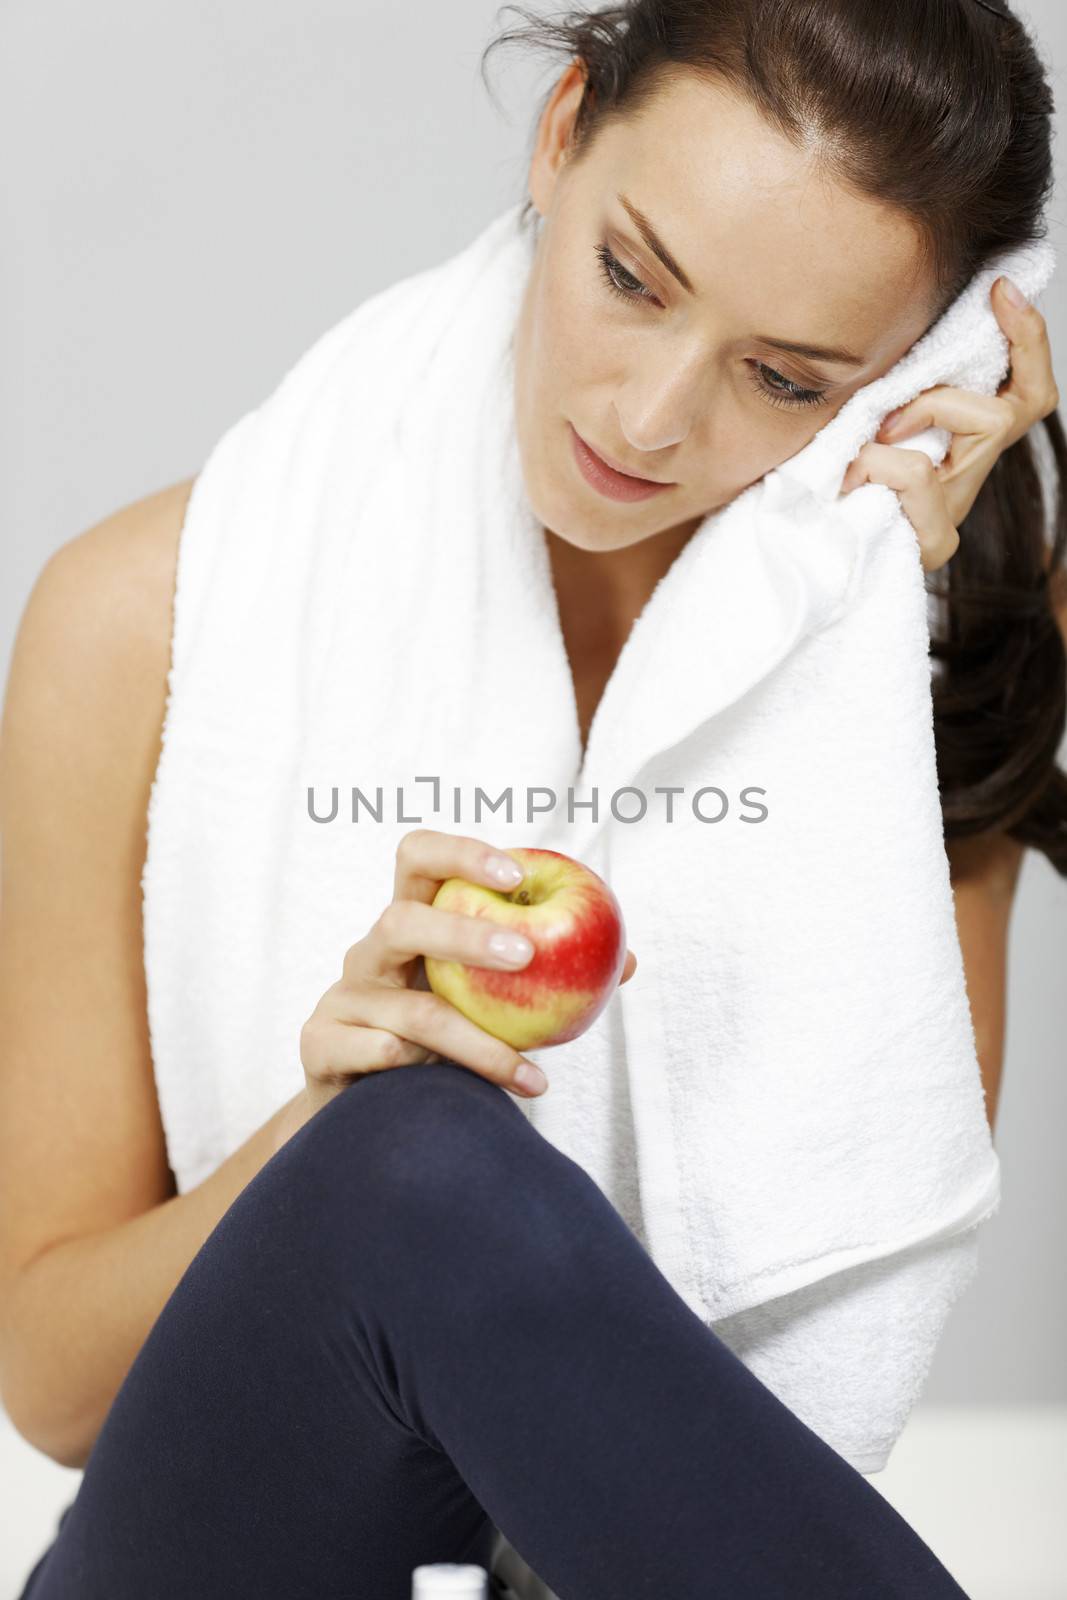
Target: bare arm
x=83 y=1309
x=93 y=1237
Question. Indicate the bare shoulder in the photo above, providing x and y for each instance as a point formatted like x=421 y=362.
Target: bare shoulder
x=94 y=640
x=119 y=572
x=81 y=1141
x=989 y=862
x=87 y=682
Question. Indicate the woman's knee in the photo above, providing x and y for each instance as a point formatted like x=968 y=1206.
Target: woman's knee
x=423 y=1134
x=427 y=1186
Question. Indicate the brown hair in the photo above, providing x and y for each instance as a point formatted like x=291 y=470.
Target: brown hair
x=941 y=108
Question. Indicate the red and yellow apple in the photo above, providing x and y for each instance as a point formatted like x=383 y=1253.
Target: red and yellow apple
x=575 y=925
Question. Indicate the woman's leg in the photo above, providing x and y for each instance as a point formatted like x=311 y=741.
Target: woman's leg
x=420 y=1312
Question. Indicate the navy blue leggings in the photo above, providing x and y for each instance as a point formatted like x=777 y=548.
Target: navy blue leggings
x=421 y=1322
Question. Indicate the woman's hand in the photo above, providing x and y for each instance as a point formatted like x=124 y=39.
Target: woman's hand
x=936 y=499
x=381 y=1012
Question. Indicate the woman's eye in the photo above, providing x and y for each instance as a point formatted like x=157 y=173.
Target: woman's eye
x=782 y=391
x=618 y=280
x=772 y=385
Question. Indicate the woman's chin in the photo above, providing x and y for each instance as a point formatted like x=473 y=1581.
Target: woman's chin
x=558 y=513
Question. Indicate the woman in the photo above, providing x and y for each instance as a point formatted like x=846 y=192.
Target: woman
x=270 y=1386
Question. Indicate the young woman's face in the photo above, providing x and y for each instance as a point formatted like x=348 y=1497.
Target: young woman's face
x=691 y=385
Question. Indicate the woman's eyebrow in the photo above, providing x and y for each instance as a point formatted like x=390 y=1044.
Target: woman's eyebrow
x=648 y=233
x=818 y=352
x=655 y=243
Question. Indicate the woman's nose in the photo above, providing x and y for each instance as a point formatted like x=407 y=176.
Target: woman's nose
x=658 y=407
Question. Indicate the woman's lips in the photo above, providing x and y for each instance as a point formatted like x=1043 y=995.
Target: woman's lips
x=615 y=485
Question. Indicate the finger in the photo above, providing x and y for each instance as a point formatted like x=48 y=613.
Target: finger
x=426 y=1019
x=629 y=967
x=960 y=411
x=1031 y=384
x=911 y=473
x=331 y=1051
x=426 y=857
x=408 y=928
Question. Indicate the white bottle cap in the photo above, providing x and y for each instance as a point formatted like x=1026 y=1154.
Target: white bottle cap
x=454 y=1579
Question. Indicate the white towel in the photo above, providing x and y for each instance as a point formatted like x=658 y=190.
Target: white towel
x=788 y=1086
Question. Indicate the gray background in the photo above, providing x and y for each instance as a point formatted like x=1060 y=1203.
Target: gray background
x=192 y=194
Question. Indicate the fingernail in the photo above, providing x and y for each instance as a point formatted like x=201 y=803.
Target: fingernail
x=504 y=870
x=511 y=947
x=531 y=1078
x=890 y=422
x=1013 y=292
